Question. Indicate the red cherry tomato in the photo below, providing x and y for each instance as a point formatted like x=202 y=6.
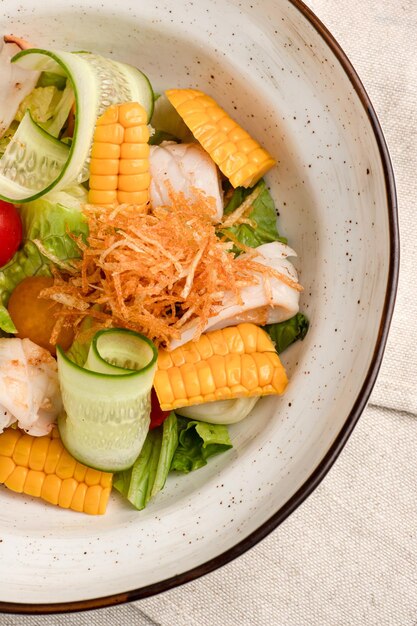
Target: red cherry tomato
x=10 y=231
x=158 y=416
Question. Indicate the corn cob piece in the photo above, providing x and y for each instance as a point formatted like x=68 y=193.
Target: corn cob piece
x=119 y=166
x=241 y=159
x=41 y=467
x=235 y=362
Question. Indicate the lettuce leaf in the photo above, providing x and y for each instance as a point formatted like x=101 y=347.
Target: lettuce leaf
x=286 y=333
x=6 y=322
x=49 y=107
x=46 y=220
x=263 y=213
x=147 y=476
x=46 y=79
x=197 y=441
x=41 y=102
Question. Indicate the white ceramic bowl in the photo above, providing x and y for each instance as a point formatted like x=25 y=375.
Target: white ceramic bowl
x=273 y=65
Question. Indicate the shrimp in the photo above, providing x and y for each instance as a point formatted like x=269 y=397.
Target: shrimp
x=181 y=167
x=29 y=388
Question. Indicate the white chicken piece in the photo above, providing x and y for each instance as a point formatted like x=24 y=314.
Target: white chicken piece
x=29 y=387
x=17 y=82
x=259 y=305
x=182 y=167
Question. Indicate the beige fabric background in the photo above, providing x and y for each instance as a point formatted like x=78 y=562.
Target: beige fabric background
x=347 y=556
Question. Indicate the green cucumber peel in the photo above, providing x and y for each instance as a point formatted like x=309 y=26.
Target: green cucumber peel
x=107 y=409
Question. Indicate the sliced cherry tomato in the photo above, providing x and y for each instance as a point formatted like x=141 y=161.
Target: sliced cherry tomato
x=158 y=416
x=10 y=231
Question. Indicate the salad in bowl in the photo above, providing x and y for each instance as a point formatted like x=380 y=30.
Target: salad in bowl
x=146 y=293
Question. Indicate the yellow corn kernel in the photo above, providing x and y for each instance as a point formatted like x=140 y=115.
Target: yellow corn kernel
x=162 y=384
x=16 y=480
x=22 y=450
x=134 y=182
x=39 y=453
x=92 y=500
x=223 y=152
x=247 y=145
x=110 y=116
x=106 y=150
x=104 y=167
x=104 y=498
x=66 y=465
x=240 y=362
x=134 y=151
x=205 y=379
x=218 y=367
x=92 y=477
x=233 y=364
x=249 y=335
x=77 y=502
x=229 y=145
x=264 y=367
x=133 y=197
x=6 y=466
x=132 y=114
x=218 y=342
x=164 y=360
x=51 y=488
x=54 y=452
x=102 y=197
x=204 y=347
x=249 y=372
x=178 y=357
x=190 y=379
x=66 y=494
x=106 y=479
x=133 y=166
x=8 y=441
x=233 y=340
x=214 y=140
x=80 y=472
x=103 y=183
x=191 y=353
x=216 y=114
x=177 y=384
x=111 y=133
x=33 y=483
x=233 y=163
x=136 y=134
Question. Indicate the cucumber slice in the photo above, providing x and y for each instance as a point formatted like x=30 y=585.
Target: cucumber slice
x=107 y=402
x=32 y=159
x=97 y=83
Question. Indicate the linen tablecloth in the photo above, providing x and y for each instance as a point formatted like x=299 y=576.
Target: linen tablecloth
x=348 y=555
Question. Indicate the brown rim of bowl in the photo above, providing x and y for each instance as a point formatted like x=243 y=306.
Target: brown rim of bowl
x=321 y=470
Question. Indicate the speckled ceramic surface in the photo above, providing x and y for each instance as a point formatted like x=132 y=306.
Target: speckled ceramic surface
x=268 y=64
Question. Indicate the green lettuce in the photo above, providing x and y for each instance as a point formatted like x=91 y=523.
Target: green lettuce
x=197 y=441
x=6 y=322
x=147 y=476
x=47 y=79
x=48 y=106
x=41 y=102
x=285 y=333
x=263 y=213
x=46 y=223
